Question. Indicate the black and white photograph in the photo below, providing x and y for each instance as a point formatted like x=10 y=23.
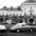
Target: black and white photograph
x=17 y=17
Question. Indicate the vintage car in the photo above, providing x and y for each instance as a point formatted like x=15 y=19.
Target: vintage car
x=22 y=26
x=2 y=28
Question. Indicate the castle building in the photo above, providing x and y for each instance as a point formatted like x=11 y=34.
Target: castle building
x=27 y=6
x=26 y=9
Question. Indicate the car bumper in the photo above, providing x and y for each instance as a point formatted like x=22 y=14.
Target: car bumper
x=2 y=29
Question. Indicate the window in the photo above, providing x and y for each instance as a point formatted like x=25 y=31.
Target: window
x=1 y=20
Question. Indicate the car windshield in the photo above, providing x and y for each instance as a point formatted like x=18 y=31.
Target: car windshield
x=21 y=23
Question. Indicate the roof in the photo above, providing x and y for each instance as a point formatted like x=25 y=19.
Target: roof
x=30 y=1
x=11 y=9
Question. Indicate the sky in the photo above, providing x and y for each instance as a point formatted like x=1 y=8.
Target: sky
x=9 y=3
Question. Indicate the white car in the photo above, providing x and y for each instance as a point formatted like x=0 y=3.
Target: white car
x=2 y=27
x=22 y=26
x=9 y=21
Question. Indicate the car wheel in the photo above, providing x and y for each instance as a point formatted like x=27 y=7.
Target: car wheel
x=18 y=30
x=2 y=30
x=31 y=29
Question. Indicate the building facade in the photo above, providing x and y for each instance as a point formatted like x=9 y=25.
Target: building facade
x=27 y=10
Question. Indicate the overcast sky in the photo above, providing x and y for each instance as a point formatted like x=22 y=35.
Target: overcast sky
x=9 y=3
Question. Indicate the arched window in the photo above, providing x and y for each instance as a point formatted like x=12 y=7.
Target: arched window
x=1 y=20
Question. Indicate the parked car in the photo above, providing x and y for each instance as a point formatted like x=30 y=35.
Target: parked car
x=9 y=21
x=2 y=28
x=22 y=26
x=4 y=23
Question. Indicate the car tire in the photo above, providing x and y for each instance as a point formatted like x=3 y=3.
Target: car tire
x=31 y=29
x=2 y=30
x=18 y=30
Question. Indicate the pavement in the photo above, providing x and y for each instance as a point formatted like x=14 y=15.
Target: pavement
x=18 y=34
x=24 y=33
